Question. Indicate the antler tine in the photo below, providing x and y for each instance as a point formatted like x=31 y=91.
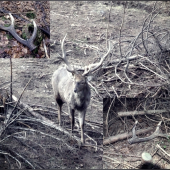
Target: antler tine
x=31 y=40
x=93 y=67
x=11 y=29
x=64 y=56
x=11 y=26
x=63 y=50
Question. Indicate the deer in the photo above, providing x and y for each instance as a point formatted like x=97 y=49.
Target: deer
x=71 y=87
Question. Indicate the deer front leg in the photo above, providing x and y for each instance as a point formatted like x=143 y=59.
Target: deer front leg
x=81 y=122
x=72 y=118
x=59 y=113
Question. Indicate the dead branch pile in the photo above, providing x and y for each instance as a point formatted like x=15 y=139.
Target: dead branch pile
x=142 y=66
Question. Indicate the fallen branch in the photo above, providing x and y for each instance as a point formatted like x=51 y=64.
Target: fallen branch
x=133 y=113
x=159 y=147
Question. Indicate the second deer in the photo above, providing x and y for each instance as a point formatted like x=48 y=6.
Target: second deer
x=72 y=88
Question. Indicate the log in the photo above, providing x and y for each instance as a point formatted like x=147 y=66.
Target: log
x=133 y=113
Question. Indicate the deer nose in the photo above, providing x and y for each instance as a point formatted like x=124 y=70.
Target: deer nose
x=75 y=88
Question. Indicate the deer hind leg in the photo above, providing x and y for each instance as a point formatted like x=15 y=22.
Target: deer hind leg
x=59 y=105
x=81 y=122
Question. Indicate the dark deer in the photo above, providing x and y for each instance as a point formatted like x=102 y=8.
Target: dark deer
x=28 y=42
x=72 y=88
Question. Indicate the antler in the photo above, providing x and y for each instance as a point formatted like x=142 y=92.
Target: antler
x=11 y=29
x=87 y=69
x=64 y=57
x=157 y=133
x=93 y=67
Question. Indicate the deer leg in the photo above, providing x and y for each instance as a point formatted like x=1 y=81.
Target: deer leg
x=59 y=105
x=81 y=122
x=59 y=114
x=72 y=118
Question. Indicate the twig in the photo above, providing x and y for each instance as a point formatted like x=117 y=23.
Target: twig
x=92 y=140
x=135 y=39
x=152 y=71
x=108 y=26
x=147 y=26
x=120 y=31
x=6 y=153
x=107 y=116
x=15 y=117
x=105 y=89
x=11 y=80
x=6 y=121
x=119 y=154
x=45 y=49
x=95 y=89
x=115 y=91
x=116 y=161
x=159 y=147
x=29 y=163
x=34 y=130
x=10 y=113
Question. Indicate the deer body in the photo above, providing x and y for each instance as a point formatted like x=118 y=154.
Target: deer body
x=73 y=90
